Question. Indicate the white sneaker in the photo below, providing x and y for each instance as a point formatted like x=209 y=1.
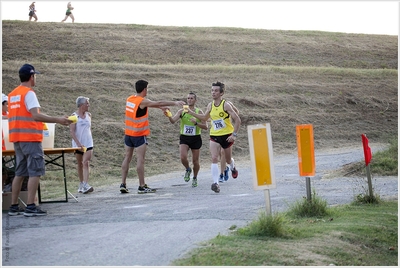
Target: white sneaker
x=80 y=189
x=87 y=188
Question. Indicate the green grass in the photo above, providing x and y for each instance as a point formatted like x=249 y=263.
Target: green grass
x=267 y=225
x=386 y=162
x=352 y=235
x=315 y=207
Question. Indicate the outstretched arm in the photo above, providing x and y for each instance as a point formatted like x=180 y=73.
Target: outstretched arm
x=176 y=116
x=158 y=104
x=203 y=117
x=49 y=119
x=203 y=123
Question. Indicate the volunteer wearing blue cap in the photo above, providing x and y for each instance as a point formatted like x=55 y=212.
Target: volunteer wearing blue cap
x=25 y=124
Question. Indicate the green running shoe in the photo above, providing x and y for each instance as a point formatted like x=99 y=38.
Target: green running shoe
x=187 y=174
x=194 y=182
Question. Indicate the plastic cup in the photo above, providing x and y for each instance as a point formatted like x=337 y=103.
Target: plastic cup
x=73 y=118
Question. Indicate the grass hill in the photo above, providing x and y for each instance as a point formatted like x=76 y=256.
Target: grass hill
x=343 y=84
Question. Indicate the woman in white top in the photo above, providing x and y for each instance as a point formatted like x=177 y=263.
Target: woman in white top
x=82 y=137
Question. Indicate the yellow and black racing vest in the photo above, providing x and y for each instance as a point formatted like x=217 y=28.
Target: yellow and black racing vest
x=220 y=120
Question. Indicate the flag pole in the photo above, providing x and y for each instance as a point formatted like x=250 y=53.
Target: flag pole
x=368 y=157
x=371 y=194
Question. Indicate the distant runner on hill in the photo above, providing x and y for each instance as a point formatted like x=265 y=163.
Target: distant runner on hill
x=68 y=13
x=32 y=12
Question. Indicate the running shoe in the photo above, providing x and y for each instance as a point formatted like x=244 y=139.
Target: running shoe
x=80 y=188
x=235 y=173
x=215 y=187
x=123 y=189
x=145 y=189
x=226 y=174
x=187 y=174
x=221 y=177
x=31 y=211
x=87 y=188
x=194 y=182
x=15 y=210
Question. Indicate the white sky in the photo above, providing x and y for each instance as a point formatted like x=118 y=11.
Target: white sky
x=370 y=17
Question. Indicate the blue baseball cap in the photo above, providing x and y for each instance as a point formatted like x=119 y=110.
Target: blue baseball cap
x=27 y=69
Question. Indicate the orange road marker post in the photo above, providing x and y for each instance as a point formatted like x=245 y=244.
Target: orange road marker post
x=261 y=156
x=305 y=150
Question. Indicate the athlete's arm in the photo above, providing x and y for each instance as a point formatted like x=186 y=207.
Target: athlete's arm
x=159 y=104
x=176 y=116
x=203 y=123
x=236 y=121
x=203 y=117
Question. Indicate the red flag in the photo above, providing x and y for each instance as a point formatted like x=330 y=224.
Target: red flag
x=367 y=149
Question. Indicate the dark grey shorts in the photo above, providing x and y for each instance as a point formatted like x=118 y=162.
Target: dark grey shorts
x=135 y=142
x=29 y=159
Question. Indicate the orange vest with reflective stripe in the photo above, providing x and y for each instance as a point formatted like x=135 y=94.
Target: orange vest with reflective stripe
x=136 y=119
x=21 y=125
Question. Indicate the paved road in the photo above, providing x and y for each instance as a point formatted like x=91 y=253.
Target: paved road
x=108 y=228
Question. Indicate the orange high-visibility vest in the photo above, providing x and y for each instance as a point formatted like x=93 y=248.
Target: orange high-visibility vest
x=21 y=125
x=136 y=120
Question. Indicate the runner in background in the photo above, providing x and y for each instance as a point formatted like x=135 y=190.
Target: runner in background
x=32 y=12
x=190 y=137
x=68 y=13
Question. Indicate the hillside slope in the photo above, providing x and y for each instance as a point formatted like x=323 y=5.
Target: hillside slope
x=343 y=84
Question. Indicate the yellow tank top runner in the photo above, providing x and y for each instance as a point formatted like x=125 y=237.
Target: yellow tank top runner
x=220 y=120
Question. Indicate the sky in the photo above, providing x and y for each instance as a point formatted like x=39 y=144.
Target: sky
x=367 y=17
